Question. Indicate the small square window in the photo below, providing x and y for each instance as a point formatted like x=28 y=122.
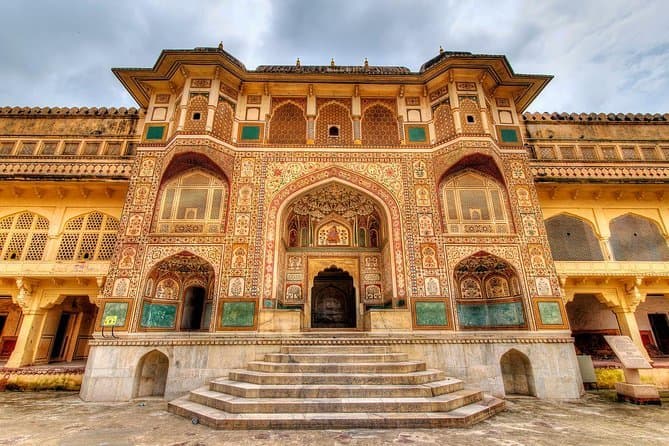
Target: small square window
x=197 y=116
x=471 y=119
x=333 y=131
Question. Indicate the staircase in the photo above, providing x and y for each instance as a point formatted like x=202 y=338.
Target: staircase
x=330 y=387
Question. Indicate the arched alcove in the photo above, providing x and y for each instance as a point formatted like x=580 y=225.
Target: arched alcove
x=182 y=297
x=151 y=375
x=572 y=239
x=517 y=374
x=489 y=294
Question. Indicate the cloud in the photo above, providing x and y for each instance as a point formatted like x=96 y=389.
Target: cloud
x=605 y=55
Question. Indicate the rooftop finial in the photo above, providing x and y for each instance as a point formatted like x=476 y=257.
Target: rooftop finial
x=366 y=63
x=297 y=63
x=332 y=63
x=441 y=49
x=220 y=45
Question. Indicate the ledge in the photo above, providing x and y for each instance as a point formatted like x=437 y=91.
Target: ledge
x=62 y=269
x=612 y=268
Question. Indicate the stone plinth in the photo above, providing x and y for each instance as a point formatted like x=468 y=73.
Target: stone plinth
x=387 y=320
x=638 y=393
x=284 y=321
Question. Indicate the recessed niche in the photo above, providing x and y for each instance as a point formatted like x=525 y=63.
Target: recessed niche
x=413 y=115
x=470 y=119
x=197 y=116
x=252 y=114
x=333 y=131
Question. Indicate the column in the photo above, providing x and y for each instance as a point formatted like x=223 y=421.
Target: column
x=213 y=103
x=455 y=107
x=629 y=327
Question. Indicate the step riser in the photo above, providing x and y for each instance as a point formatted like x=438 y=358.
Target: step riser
x=389 y=392
x=324 y=422
x=335 y=379
x=315 y=358
x=335 y=349
x=381 y=367
x=351 y=406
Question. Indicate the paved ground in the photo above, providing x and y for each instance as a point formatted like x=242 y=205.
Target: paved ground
x=61 y=418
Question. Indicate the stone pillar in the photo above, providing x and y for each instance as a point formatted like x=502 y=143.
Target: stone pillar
x=213 y=103
x=483 y=107
x=28 y=338
x=357 y=139
x=455 y=107
x=183 y=106
x=629 y=327
x=311 y=130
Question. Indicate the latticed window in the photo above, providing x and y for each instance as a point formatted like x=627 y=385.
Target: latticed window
x=23 y=236
x=88 y=237
x=474 y=203
x=192 y=203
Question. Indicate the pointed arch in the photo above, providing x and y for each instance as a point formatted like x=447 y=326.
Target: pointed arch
x=288 y=124
x=90 y=236
x=334 y=113
x=23 y=236
x=474 y=199
x=573 y=238
x=184 y=284
x=379 y=125
x=488 y=293
x=517 y=373
x=151 y=374
x=387 y=203
x=637 y=238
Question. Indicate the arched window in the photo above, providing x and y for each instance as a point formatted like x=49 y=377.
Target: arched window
x=572 y=239
x=23 y=236
x=88 y=237
x=474 y=203
x=637 y=238
x=193 y=202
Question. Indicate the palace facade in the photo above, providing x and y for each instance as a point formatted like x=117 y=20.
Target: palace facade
x=236 y=211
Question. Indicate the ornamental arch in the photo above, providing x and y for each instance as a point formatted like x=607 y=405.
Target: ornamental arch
x=637 y=238
x=474 y=199
x=489 y=293
x=363 y=240
x=178 y=294
x=573 y=238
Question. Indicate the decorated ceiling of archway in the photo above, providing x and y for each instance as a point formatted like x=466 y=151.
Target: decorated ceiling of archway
x=333 y=198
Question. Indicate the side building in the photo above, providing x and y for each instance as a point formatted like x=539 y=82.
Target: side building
x=240 y=210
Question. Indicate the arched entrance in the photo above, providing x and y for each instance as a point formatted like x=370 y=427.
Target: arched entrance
x=517 y=374
x=151 y=375
x=335 y=226
x=193 y=308
x=333 y=299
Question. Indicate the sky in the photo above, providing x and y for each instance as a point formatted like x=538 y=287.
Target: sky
x=606 y=55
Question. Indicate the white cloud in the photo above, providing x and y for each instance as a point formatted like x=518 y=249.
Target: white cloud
x=606 y=55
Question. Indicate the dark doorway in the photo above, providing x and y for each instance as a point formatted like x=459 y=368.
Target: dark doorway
x=333 y=299
x=660 y=327
x=3 y=320
x=194 y=298
x=60 y=340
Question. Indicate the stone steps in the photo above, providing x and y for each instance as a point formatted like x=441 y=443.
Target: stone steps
x=335 y=357
x=328 y=367
x=256 y=377
x=250 y=390
x=234 y=404
x=323 y=386
x=462 y=417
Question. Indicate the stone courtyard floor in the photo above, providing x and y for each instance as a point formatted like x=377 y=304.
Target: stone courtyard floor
x=61 y=418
